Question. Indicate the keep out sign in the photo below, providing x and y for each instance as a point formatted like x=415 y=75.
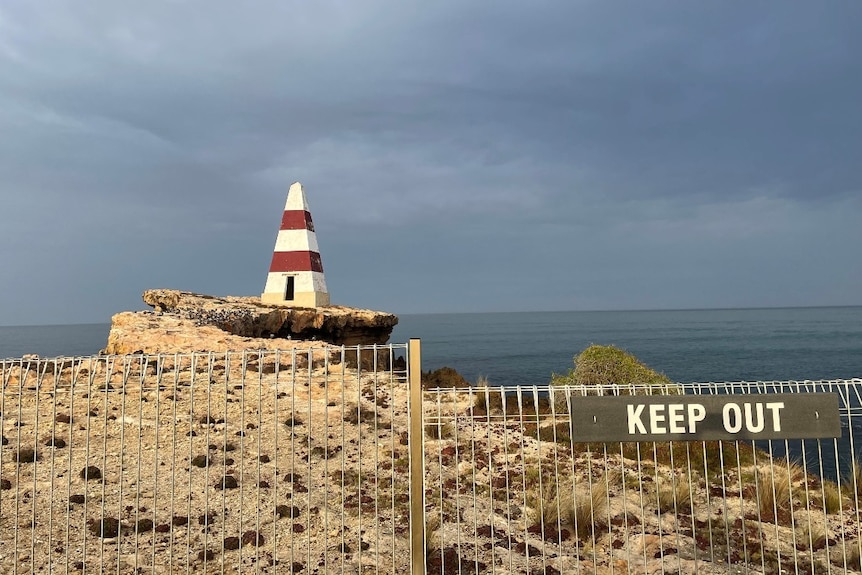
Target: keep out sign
x=706 y=417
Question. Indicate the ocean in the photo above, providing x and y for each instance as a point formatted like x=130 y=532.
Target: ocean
x=526 y=347
x=686 y=345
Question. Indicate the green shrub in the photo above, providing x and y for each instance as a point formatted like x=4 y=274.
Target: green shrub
x=607 y=365
x=444 y=378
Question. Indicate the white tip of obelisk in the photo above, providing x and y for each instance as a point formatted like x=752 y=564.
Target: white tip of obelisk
x=296 y=198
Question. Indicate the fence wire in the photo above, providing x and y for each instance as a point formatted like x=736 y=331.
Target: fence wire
x=299 y=462
x=255 y=462
x=509 y=490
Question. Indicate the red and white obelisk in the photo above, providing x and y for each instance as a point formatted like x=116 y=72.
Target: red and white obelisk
x=296 y=272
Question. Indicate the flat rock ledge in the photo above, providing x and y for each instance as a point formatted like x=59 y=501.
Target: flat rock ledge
x=182 y=322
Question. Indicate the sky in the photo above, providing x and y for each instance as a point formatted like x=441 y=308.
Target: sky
x=457 y=156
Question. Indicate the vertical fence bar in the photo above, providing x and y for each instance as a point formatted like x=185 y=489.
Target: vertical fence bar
x=417 y=459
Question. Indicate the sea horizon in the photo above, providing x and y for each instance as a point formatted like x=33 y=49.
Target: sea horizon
x=633 y=310
x=510 y=348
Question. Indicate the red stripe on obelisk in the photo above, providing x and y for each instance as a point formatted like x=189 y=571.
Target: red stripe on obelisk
x=296 y=220
x=296 y=262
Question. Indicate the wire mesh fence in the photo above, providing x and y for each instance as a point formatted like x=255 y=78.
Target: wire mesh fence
x=255 y=462
x=509 y=489
x=305 y=462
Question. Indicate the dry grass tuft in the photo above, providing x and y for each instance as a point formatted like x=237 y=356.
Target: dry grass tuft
x=438 y=429
x=812 y=535
x=581 y=507
x=773 y=489
x=854 y=480
x=832 y=497
x=486 y=398
x=432 y=532
x=850 y=553
x=674 y=496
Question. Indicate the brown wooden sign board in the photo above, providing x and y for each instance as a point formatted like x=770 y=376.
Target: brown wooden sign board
x=705 y=417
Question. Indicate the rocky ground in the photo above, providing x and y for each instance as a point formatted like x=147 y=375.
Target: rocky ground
x=297 y=462
x=186 y=322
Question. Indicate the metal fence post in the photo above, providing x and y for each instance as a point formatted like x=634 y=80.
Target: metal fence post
x=417 y=460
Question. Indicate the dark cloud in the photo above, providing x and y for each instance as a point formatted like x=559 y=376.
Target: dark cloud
x=591 y=154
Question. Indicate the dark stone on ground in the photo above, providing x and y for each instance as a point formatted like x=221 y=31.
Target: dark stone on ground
x=228 y=482
x=27 y=455
x=107 y=527
x=91 y=472
x=231 y=543
x=252 y=538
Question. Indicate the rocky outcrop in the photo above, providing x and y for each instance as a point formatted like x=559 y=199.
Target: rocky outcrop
x=183 y=322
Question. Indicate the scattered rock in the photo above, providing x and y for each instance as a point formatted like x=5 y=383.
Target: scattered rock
x=91 y=472
x=77 y=499
x=144 y=525
x=27 y=455
x=200 y=461
x=287 y=511
x=63 y=418
x=55 y=441
x=5 y=484
x=206 y=555
x=206 y=519
x=179 y=520
x=231 y=543
x=228 y=482
x=252 y=538
x=107 y=527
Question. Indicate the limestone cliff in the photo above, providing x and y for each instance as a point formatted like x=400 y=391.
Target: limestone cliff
x=183 y=321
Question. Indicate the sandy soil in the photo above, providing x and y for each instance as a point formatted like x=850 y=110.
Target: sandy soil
x=301 y=466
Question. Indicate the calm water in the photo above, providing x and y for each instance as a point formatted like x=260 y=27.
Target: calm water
x=525 y=348
x=53 y=340
x=691 y=345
